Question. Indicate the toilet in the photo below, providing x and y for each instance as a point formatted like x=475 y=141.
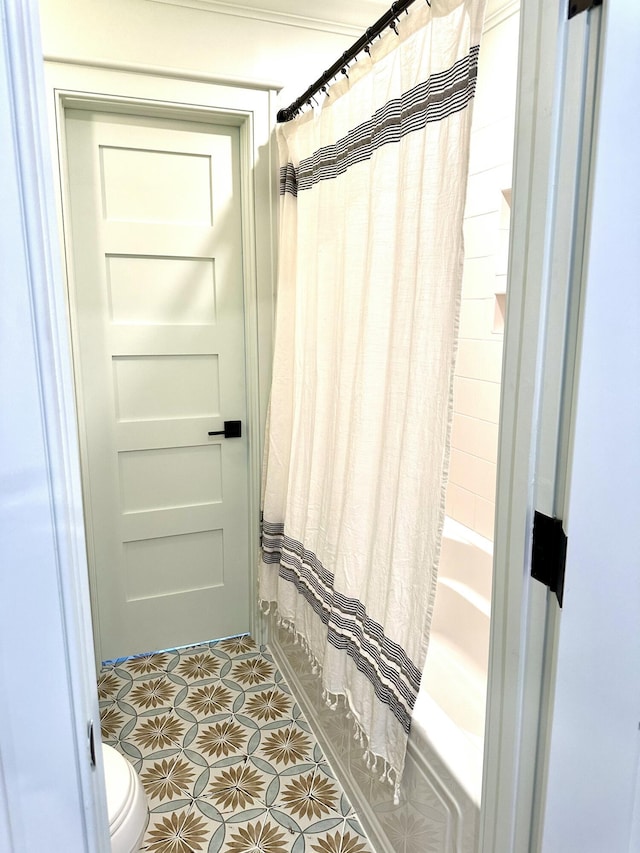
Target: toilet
x=126 y=802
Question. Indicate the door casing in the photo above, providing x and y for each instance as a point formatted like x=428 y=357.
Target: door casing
x=554 y=126
x=250 y=111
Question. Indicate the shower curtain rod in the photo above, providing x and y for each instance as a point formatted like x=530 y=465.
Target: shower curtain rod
x=387 y=20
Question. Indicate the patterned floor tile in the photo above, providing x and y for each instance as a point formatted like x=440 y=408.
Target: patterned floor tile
x=285 y=745
x=258 y=833
x=227 y=760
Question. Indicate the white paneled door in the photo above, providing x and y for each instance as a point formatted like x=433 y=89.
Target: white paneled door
x=158 y=326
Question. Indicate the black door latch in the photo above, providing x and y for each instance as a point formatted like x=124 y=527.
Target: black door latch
x=232 y=429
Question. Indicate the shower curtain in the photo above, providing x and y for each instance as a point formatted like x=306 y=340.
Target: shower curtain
x=372 y=187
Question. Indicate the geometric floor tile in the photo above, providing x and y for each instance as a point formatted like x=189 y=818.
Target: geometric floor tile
x=227 y=760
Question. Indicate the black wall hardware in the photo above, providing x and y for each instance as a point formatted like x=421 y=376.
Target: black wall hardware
x=232 y=429
x=549 y=553
x=92 y=743
x=578 y=6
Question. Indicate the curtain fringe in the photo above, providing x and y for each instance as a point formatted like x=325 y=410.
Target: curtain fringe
x=389 y=774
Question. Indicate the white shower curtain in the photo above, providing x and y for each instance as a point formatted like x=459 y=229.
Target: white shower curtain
x=373 y=186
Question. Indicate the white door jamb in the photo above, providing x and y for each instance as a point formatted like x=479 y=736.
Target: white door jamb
x=50 y=795
x=556 y=81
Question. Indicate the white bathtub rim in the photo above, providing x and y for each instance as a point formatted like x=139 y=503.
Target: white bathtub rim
x=432 y=729
x=460 y=751
x=469 y=686
x=476 y=599
x=459 y=532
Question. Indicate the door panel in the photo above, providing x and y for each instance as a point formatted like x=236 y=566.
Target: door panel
x=132 y=302
x=157 y=308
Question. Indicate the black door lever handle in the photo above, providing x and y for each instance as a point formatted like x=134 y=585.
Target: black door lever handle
x=232 y=429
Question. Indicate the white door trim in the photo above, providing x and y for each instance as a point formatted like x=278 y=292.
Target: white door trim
x=553 y=132
x=591 y=798
x=76 y=87
x=50 y=796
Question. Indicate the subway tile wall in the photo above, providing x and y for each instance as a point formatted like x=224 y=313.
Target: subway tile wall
x=474 y=439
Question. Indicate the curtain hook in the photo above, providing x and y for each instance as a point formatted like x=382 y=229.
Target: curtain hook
x=345 y=71
x=394 y=26
x=370 y=37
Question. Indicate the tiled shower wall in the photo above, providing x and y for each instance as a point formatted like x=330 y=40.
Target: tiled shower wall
x=474 y=442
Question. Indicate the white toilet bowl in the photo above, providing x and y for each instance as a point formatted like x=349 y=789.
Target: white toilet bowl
x=126 y=802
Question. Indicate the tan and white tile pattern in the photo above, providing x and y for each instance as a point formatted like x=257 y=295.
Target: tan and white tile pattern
x=224 y=753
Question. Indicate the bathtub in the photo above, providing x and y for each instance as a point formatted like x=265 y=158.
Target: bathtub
x=439 y=807
x=449 y=714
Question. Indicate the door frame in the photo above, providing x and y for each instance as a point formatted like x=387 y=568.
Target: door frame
x=45 y=597
x=251 y=111
x=556 y=110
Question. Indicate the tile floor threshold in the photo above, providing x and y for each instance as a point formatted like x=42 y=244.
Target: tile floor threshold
x=227 y=760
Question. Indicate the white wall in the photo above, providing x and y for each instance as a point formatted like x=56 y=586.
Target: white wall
x=474 y=442
x=191 y=41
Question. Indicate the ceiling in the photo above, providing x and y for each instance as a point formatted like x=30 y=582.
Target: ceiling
x=343 y=16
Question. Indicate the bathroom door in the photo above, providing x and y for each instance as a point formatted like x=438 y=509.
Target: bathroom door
x=158 y=328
